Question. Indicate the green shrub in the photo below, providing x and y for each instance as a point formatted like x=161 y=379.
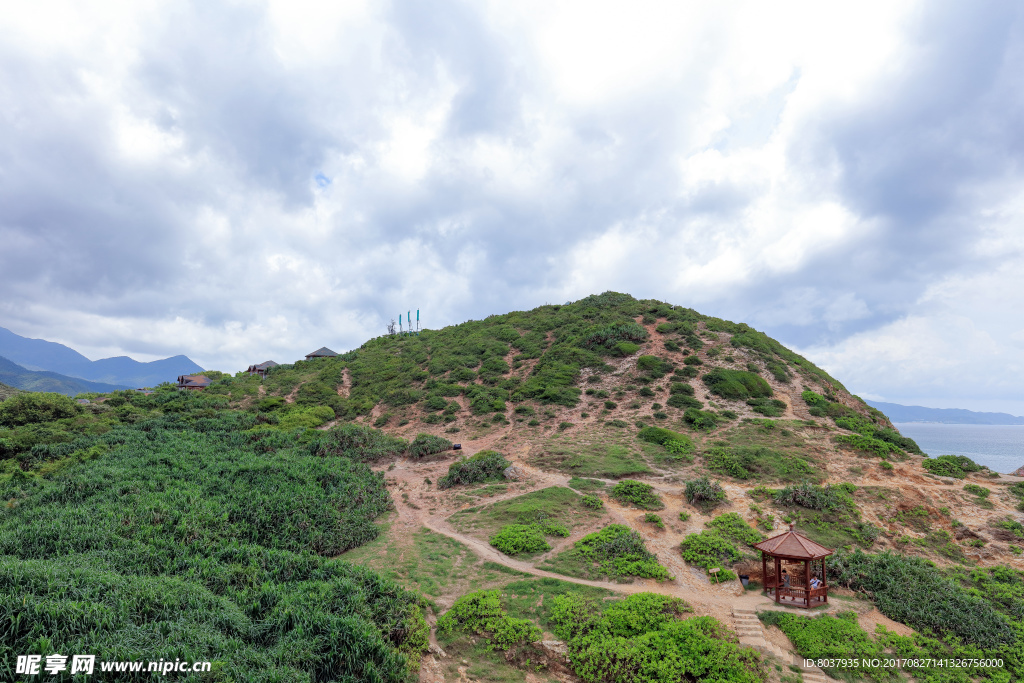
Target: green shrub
x=481 y=613
x=638 y=494
x=359 y=443
x=689 y=372
x=700 y=419
x=681 y=388
x=519 y=539
x=484 y=466
x=913 y=591
x=35 y=407
x=736 y=384
x=683 y=402
x=708 y=550
x=693 y=360
x=305 y=417
x=620 y=551
x=979 y=491
x=661 y=436
x=866 y=443
x=769 y=407
x=609 y=337
x=435 y=403
x=684 y=515
x=832 y=638
x=654 y=519
x=428 y=444
x=610 y=405
x=562 y=426
x=646 y=392
x=817 y=497
x=704 y=493
x=951 y=466
x=653 y=366
x=642 y=640
x=592 y=502
x=626 y=348
x=734 y=528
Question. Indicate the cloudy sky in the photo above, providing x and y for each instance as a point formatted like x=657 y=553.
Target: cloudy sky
x=240 y=181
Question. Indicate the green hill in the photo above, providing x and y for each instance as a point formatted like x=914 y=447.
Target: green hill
x=253 y=525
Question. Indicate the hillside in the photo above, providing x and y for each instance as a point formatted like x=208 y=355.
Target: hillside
x=16 y=376
x=46 y=356
x=320 y=512
x=7 y=391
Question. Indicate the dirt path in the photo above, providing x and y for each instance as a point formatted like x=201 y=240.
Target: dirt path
x=422 y=506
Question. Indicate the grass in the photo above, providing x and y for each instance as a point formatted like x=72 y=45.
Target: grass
x=430 y=563
x=532 y=598
x=581 y=484
x=612 y=461
x=553 y=504
x=762 y=464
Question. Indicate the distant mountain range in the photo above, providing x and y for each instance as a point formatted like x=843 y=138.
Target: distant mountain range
x=954 y=416
x=13 y=375
x=39 y=355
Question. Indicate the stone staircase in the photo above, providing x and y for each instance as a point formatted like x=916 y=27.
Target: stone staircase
x=749 y=629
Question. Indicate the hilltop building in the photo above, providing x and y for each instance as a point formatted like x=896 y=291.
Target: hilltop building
x=322 y=352
x=262 y=368
x=194 y=382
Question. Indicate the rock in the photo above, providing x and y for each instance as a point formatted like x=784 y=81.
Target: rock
x=555 y=647
x=513 y=473
x=436 y=650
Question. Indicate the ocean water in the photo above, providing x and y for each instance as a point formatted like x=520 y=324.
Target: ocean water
x=998 y=447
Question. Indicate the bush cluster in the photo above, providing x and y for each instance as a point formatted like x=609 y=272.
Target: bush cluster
x=643 y=639
x=813 y=497
x=769 y=407
x=428 y=444
x=620 y=551
x=911 y=590
x=484 y=466
x=363 y=444
x=520 y=539
x=951 y=466
x=734 y=528
x=708 y=550
x=638 y=494
x=653 y=366
x=704 y=493
x=701 y=420
x=481 y=613
x=736 y=384
x=750 y=462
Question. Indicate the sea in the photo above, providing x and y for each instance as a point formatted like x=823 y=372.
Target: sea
x=998 y=447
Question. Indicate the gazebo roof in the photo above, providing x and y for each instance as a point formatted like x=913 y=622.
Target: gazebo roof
x=793 y=545
x=322 y=352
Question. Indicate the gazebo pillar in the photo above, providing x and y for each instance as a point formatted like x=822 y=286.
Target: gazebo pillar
x=764 y=569
x=778 y=578
x=807 y=583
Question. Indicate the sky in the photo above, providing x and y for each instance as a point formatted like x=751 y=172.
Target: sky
x=243 y=181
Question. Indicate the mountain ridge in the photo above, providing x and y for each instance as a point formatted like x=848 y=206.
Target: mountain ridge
x=18 y=377
x=901 y=413
x=40 y=355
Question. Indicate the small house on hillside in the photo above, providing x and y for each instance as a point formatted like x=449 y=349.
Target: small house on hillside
x=262 y=368
x=194 y=382
x=322 y=352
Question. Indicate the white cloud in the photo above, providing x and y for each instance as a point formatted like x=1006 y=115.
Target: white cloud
x=845 y=177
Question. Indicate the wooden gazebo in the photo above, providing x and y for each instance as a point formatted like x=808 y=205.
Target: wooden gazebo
x=793 y=549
